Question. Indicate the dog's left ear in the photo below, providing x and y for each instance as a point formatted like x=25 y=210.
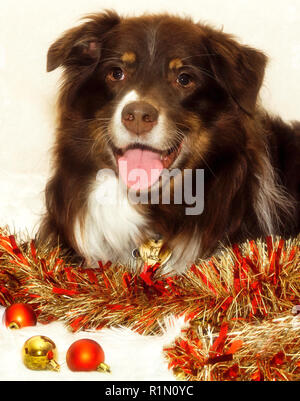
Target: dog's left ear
x=81 y=46
x=238 y=69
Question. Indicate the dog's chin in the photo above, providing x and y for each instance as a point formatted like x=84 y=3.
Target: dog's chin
x=143 y=157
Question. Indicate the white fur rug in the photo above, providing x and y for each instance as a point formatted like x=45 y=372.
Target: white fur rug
x=132 y=357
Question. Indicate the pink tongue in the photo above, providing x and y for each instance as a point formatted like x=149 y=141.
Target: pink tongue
x=140 y=169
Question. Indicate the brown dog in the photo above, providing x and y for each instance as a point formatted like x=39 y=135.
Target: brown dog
x=160 y=93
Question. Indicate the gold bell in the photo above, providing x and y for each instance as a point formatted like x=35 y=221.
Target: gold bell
x=40 y=353
x=155 y=251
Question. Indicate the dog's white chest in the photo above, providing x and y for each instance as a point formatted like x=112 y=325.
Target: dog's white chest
x=111 y=227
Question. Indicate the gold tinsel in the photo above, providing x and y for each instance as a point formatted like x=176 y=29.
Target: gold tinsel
x=238 y=305
x=250 y=351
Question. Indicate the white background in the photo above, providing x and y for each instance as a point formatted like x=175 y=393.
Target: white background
x=27 y=123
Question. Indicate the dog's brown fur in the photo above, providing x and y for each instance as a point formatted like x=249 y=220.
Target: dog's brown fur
x=251 y=160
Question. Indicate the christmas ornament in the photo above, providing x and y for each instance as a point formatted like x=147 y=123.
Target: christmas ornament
x=85 y=356
x=18 y=316
x=40 y=353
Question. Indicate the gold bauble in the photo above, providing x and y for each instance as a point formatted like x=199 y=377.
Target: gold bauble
x=40 y=353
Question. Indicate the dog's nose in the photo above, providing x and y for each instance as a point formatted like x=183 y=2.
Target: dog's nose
x=139 y=117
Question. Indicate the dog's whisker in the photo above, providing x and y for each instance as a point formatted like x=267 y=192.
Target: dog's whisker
x=183 y=125
x=89 y=120
x=103 y=118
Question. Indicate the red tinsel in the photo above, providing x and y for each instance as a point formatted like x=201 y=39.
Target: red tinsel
x=226 y=300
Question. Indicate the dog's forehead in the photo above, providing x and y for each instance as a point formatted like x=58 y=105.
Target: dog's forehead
x=152 y=38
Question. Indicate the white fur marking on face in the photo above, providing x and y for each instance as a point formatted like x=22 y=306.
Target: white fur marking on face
x=123 y=138
x=152 y=42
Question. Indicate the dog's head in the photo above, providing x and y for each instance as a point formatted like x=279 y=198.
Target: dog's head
x=150 y=90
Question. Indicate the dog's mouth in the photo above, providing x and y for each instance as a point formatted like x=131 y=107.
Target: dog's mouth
x=140 y=166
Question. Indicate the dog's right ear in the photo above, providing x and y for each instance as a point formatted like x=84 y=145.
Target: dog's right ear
x=81 y=45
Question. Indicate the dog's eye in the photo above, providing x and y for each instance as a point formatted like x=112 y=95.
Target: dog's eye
x=185 y=80
x=116 y=74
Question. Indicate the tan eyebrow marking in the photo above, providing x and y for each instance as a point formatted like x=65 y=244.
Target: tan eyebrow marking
x=128 y=57
x=176 y=63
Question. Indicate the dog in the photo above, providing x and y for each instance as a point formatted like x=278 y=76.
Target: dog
x=159 y=92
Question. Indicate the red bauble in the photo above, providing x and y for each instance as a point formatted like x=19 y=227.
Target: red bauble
x=85 y=356
x=17 y=316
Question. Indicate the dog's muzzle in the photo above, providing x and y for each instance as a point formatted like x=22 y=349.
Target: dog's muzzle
x=139 y=117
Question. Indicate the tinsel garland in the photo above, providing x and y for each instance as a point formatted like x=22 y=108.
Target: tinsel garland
x=268 y=350
x=237 y=305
